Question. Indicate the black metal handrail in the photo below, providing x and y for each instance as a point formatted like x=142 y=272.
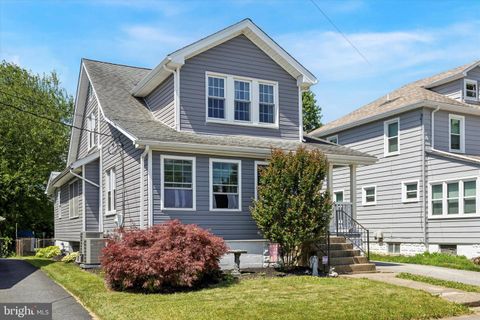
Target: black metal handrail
x=343 y=224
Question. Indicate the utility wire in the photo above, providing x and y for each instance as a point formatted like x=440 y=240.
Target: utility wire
x=340 y=32
x=50 y=119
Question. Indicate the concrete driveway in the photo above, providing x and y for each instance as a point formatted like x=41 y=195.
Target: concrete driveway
x=21 y=282
x=468 y=277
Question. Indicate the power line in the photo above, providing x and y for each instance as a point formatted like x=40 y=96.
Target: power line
x=50 y=119
x=340 y=31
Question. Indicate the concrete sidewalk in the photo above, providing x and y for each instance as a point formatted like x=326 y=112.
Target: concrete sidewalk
x=469 y=299
x=467 y=277
x=20 y=282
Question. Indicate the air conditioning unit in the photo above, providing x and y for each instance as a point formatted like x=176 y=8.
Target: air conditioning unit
x=91 y=244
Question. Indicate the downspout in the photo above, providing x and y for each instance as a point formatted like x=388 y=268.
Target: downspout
x=176 y=94
x=150 y=190
x=424 y=192
x=142 y=187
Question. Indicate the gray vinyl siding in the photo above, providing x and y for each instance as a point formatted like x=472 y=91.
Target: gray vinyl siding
x=126 y=161
x=452 y=231
x=240 y=57
x=452 y=89
x=66 y=228
x=230 y=225
x=455 y=89
x=399 y=222
x=161 y=102
x=90 y=107
x=92 y=196
x=472 y=131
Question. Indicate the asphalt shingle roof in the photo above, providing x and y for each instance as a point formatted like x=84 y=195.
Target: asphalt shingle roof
x=113 y=84
x=408 y=94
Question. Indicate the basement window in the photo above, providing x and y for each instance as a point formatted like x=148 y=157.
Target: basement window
x=394 y=248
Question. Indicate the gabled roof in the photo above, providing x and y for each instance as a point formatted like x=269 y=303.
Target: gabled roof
x=413 y=95
x=246 y=27
x=113 y=84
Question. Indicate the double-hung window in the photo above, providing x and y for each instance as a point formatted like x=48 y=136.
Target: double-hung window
x=74 y=193
x=470 y=197
x=369 y=195
x=392 y=137
x=91 y=121
x=111 y=186
x=242 y=100
x=471 y=89
x=225 y=185
x=437 y=199
x=457 y=133
x=178 y=182
x=216 y=97
x=267 y=103
x=454 y=198
x=410 y=191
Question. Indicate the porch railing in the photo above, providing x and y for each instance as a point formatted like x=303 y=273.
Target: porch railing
x=343 y=224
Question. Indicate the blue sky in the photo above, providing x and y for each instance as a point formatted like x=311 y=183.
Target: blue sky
x=403 y=40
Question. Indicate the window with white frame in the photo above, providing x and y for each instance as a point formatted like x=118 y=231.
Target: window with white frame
x=111 y=191
x=394 y=248
x=216 y=97
x=392 y=137
x=338 y=195
x=178 y=182
x=58 y=203
x=266 y=103
x=454 y=198
x=410 y=191
x=242 y=101
x=333 y=139
x=471 y=89
x=369 y=195
x=74 y=193
x=259 y=166
x=91 y=134
x=225 y=185
x=457 y=133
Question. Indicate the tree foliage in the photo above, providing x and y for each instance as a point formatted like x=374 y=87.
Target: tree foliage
x=292 y=208
x=312 y=113
x=30 y=147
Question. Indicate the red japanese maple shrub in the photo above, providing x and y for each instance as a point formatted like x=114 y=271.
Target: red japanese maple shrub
x=163 y=257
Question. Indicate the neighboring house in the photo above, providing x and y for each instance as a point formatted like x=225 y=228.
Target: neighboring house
x=184 y=140
x=423 y=193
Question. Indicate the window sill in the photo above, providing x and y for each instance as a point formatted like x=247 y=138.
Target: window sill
x=178 y=209
x=72 y=218
x=456 y=151
x=458 y=216
x=110 y=213
x=388 y=155
x=243 y=123
x=411 y=201
x=226 y=210
x=369 y=204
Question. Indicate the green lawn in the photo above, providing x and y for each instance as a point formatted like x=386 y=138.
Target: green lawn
x=439 y=282
x=299 y=297
x=432 y=259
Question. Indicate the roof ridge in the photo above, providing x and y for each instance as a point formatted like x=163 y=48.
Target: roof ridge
x=115 y=64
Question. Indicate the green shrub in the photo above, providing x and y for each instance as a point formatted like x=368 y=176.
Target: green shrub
x=71 y=257
x=48 y=252
x=5 y=245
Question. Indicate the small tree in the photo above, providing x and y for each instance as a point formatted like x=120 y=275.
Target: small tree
x=312 y=113
x=292 y=208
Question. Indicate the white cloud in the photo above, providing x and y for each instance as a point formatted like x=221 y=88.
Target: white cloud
x=331 y=57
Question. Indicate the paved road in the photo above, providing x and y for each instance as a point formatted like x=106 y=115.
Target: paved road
x=22 y=282
x=468 y=277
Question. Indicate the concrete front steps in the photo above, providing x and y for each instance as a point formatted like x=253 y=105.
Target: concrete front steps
x=347 y=260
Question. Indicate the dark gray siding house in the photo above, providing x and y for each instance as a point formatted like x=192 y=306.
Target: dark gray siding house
x=423 y=193
x=184 y=140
